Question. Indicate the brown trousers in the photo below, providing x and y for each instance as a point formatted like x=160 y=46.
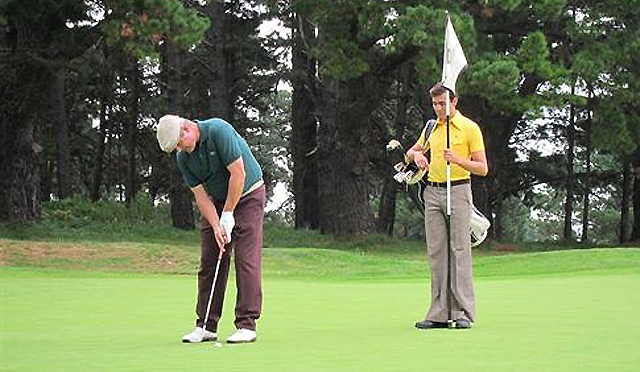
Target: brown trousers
x=246 y=244
x=460 y=292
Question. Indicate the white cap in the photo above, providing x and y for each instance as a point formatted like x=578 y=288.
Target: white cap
x=168 y=132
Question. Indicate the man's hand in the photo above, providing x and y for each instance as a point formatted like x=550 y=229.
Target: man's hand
x=416 y=155
x=451 y=156
x=208 y=210
x=228 y=222
x=420 y=160
x=221 y=237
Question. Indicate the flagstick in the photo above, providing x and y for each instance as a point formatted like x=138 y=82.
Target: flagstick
x=448 y=163
x=448 y=222
x=453 y=62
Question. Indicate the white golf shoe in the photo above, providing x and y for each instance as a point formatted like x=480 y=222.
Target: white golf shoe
x=242 y=335
x=199 y=334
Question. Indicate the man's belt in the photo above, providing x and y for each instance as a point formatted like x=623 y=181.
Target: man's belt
x=254 y=187
x=444 y=184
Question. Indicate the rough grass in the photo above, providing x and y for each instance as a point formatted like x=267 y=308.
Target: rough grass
x=105 y=237
x=311 y=263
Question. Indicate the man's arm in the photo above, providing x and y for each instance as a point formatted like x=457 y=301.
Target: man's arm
x=236 y=184
x=208 y=211
x=416 y=155
x=476 y=165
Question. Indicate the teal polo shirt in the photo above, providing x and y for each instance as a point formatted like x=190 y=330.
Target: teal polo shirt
x=219 y=145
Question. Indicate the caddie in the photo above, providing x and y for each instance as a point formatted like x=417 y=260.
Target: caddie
x=466 y=155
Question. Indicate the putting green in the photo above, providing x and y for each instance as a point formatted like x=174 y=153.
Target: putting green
x=66 y=321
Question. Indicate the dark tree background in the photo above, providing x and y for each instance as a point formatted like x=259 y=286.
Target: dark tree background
x=318 y=88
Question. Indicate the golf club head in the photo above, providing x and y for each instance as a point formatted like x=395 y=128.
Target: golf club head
x=399 y=167
x=416 y=176
x=408 y=173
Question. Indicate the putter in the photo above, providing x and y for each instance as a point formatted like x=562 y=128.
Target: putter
x=213 y=286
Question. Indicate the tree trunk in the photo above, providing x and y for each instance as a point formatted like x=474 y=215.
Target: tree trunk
x=106 y=102
x=304 y=125
x=64 y=167
x=131 y=128
x=121 y=171
x=387 y=210
x=481 y=195
x=218 y=63
x=98 y=165
x=496 y=219
x=635 y=232
x=20 y=102
x=21 y=176
x=627 y=179
x=46 y=178
x=179 y=194
x=99 y=158
x=568 y=204
x=342 y=162
x=584 y=239
x=182 y=216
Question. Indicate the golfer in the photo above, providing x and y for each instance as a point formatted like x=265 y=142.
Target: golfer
x=227 y=184
x=466 y=156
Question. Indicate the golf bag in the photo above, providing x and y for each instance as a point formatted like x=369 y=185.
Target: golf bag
x=415 y=180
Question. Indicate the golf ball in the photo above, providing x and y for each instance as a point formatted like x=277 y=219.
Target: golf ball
x=217 y=344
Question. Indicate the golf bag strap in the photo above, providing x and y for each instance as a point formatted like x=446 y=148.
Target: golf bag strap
x=428 y=129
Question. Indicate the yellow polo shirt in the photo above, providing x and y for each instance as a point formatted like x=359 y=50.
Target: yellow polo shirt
x=465 y=138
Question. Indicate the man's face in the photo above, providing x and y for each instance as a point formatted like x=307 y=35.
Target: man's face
x=187 y=141
x=440 y=106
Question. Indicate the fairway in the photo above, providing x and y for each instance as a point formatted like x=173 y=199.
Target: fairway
x=73 y=321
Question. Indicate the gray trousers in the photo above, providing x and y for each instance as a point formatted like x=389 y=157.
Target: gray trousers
x=461 y=293
x=246 y=245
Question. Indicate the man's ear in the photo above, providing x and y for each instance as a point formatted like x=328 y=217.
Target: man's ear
x=187 y=127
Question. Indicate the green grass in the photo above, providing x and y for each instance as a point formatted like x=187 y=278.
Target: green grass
x=104 y=289
x=63 y=321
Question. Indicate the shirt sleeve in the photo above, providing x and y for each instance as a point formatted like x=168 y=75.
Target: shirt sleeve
x=476 y=142
x=227 y=142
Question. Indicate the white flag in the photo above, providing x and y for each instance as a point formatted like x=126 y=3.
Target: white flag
x=454 y=60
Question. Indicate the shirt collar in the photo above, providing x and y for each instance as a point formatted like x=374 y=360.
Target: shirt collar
x=202 y=138
x=452 y=120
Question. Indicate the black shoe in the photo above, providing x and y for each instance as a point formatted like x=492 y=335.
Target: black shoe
x=428 y=324
x=462 y=323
